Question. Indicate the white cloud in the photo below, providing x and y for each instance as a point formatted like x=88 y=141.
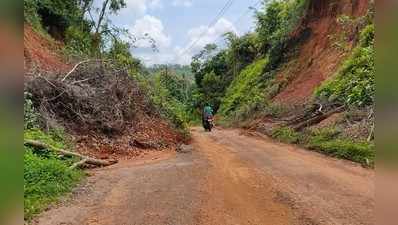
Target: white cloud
x=177 y=54
x=155 y=4
x=150 y=59
x=208 y=35
x=184 y=3
x=181 y=57
x=140 y=7
x=154 y=28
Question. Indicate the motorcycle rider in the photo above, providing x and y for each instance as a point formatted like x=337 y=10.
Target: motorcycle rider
x=207 y=112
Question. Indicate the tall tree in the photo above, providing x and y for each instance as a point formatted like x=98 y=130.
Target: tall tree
x=108 y=6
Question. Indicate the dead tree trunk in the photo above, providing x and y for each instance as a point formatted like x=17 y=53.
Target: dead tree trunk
x=317 y=119
x=85 y=159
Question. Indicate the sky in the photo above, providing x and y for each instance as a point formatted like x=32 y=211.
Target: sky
x=176 y=24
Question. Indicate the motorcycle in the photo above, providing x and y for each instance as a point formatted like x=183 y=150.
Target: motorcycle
x=208 y=123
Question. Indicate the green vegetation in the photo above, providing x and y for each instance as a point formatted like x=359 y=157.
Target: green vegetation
x=179 y=70
x=82 y=25
x=245 y=91
x=170 y=107
x=46 y=179
x=326 y=141
x=31 y=117
x=46 y=176
x=354 y=84
x=171 y=95
x=238 y=80
x=211 y=76
x=274 y=23
x=329 y=141
x=87 y=36
x=286 y=134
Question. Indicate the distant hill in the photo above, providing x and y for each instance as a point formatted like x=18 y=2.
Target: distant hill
x=179 y=70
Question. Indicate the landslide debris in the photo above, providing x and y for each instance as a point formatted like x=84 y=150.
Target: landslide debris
x=103 y=108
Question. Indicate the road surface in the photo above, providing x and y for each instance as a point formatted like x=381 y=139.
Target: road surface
x=227 y=178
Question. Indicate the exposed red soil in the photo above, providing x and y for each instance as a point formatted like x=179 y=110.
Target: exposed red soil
x=148 y=134
x=317 y=59
x=42 y=53
x=330 y=121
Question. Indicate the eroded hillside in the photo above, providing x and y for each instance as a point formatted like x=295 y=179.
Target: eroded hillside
x=42 y=52
x=319 y=56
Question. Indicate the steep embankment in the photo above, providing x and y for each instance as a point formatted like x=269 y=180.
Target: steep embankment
x=316 y=88
x=318 y=57
x=42 y=52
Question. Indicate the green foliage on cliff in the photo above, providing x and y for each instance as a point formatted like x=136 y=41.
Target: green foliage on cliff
x=354 y=83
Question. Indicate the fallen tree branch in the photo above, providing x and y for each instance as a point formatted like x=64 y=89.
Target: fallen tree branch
x=78 y=64
x=306 y=114
x=371 y=133
x=78 y=164
x=317 y=119
x=81 y=81
x=320 y=108
x=144 y=145
x=74 y=68
x=88 y=160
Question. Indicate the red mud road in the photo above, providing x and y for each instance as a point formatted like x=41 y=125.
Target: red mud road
x=227 y=178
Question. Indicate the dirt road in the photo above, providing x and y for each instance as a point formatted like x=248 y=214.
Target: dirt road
x=228 y=178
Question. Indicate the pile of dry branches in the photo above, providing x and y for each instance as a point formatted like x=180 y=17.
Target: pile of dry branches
x=93 y=96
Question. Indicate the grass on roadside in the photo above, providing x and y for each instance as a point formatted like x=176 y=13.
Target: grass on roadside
x=46 y=176
x=286 y=134
x=329 y=142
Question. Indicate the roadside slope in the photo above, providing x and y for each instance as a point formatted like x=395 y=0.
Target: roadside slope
x=318 y=56
x=42 y=53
